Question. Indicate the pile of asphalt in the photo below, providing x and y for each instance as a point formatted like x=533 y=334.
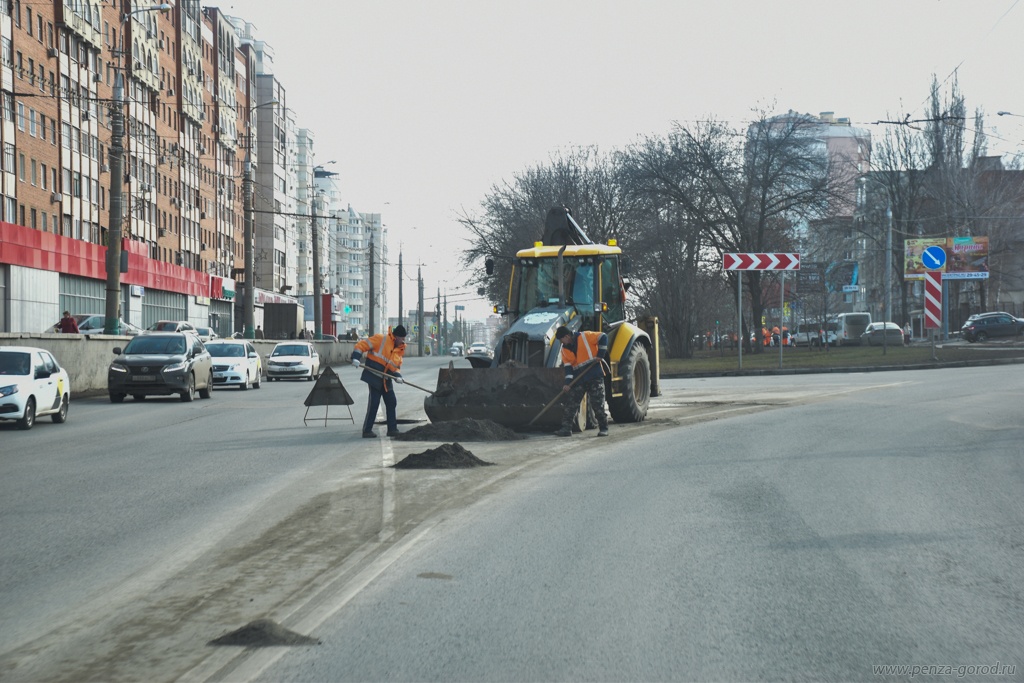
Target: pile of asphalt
x=264 y=633
x=447 y=456
x=466 y=429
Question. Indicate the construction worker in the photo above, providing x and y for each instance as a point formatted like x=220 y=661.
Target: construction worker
x=583 y=354
x=384 y=354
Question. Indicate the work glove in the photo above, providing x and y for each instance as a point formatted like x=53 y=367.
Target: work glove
x=355 y=363
x=399 y=380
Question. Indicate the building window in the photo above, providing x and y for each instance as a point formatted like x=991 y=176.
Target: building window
x=21 y=116
x=21 y=174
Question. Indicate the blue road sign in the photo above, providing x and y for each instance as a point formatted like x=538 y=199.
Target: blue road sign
x=934 y=257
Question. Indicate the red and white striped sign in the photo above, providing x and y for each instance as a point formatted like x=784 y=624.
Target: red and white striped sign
x=933 y=299
x=760 y=261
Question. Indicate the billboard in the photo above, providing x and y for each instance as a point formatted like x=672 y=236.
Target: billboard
x=966 y=258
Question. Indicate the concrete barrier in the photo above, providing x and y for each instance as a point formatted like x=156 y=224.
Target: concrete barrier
x=86 y=357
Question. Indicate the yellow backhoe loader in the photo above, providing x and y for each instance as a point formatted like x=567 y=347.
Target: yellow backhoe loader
x=564 y=280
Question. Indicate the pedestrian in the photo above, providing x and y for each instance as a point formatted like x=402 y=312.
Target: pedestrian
x=259 y=332
x=583 y=354
x=384 y=354
x=67 y=324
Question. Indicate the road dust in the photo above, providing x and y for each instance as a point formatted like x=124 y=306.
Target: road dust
x=466 y=429
x=444 y=457
x=264 y=633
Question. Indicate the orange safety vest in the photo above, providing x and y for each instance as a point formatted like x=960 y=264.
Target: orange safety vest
x=588 y=347
x=382 y=354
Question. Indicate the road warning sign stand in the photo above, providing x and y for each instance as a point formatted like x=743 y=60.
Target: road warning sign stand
x=933 y=304
x=757 y=261
x=328 y=391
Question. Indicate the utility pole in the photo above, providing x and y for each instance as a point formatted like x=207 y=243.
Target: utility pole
x=318 y=322
x=112 y=323
x=447 y=337
x=400 y=310
x=419 y=311
x=437 y=320
x=249 y=302
x=373 y=290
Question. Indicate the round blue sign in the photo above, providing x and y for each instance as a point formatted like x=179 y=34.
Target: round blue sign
x=934 y=257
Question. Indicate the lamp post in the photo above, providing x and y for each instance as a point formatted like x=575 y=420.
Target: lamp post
x=112 y=319
x=249 y=302
x=318 y=314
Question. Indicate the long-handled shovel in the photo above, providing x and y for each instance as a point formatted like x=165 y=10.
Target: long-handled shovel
x=582 y=371
x=392 y=377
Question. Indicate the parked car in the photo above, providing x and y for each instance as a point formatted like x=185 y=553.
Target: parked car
x=172 y=326
x=161 y=363
x=458 y=349
x=206 y=334
x=235 y=362
x=881 y=333
x=293 y=360
x=93 y=323
x=988 y=325
x=32 y=383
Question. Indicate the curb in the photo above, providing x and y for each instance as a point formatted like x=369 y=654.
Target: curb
x=938 y=365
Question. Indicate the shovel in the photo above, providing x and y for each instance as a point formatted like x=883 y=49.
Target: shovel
x=392 y=377
x=583 y=370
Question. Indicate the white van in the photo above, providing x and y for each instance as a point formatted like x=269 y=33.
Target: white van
x=850 y=326
x=810 y=334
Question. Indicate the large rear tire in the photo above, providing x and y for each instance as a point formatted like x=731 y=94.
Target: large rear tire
x=635 y=371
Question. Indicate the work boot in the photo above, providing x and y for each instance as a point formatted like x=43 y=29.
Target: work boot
x=393 y=432
x=369 y=435
x=603 y=431
x=563 y=432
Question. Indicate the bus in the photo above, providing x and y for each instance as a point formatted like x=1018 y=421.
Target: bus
x=849 y=327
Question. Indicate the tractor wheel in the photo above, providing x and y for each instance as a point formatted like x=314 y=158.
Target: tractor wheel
x=635 y=371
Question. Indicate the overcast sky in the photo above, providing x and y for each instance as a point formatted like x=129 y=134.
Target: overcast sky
x=426 y=104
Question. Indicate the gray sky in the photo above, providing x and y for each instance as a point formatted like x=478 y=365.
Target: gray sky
x=425 y=104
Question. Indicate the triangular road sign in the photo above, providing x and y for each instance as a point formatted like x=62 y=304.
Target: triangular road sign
x=328 y=391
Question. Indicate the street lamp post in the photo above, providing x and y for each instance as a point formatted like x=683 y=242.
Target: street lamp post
x=249 y=302
x=318 y=315
x=112 y=319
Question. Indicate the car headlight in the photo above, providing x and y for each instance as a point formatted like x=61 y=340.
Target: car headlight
x=175 y=367
x=117 y=367
x=235 y=367
x=9 y=390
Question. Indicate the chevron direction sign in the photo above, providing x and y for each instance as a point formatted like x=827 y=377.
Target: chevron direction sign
x=760 y=261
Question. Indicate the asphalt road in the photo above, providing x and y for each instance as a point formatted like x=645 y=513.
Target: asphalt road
x=796 y=527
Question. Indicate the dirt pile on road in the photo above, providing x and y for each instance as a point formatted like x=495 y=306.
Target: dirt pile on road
x=445 y=457
x=264 y=633
x=466 y=429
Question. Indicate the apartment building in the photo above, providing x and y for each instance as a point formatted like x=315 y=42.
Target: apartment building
x=198 y=98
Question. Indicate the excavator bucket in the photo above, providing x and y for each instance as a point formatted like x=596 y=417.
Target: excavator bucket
x=509 y=395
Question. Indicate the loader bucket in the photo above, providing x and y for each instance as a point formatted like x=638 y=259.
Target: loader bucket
x=511 y=396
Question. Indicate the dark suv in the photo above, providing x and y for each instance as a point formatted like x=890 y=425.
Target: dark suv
x=982 y=327
x=161 y=363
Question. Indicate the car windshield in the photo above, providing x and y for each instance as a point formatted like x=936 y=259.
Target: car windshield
x=291 y=350
x=15 y=363
x=156 y=345
x=226 y=350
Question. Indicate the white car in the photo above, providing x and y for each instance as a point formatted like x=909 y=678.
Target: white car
x=32 y=383
x=206 y=334
x=293 y=360
x=480 y=349
x=235 y=363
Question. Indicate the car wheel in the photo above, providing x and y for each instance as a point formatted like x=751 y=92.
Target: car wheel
x=981 y=336
x=190 y=389
x=207 y=391
x=245 y=382
x=117 y=398
x=61 y=416
x=258 y=380
x=29 y=418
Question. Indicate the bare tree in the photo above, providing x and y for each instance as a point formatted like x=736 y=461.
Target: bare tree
x=512 y=214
